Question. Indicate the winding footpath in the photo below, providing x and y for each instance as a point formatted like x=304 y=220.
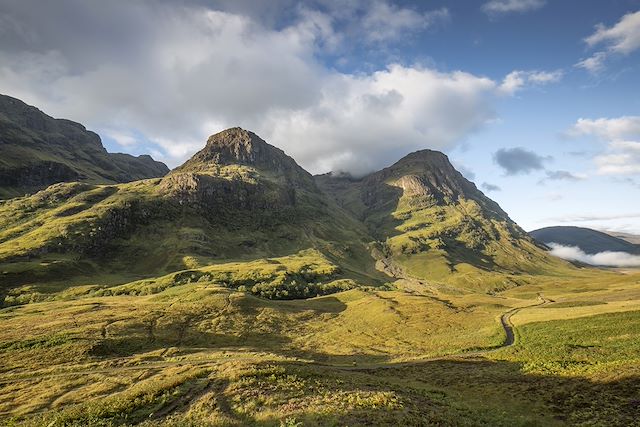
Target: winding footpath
x=508 y=326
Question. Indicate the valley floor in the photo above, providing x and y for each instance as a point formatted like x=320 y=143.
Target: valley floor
x=198 y=354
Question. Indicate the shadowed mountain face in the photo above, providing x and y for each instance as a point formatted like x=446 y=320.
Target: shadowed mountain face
x=590 y=241
x=239 y=171
x=37 y=151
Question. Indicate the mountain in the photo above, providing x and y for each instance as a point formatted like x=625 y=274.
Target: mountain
x=37 y=150
x=237 y=199
x=240 y=199
x=590 y=241
x=433 y=223
x=631 y=238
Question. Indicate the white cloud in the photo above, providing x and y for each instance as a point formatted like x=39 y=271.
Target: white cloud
x=385 y=21
x=605 y=259
x=620 y=128
x=508 y=6
x=122 y=138
x=622 y=134
x=173 y=75
x=621 y=38
x=594 y=63
x=517 y=80
x=362 y=121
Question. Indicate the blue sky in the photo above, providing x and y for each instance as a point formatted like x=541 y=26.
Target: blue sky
x=536 y=101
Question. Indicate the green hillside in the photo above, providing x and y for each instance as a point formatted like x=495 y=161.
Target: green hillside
x=208 y=211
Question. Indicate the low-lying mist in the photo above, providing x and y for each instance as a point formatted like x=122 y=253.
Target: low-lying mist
x=605 y=259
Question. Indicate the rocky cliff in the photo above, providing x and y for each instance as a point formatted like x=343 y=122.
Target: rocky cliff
x=37 y=150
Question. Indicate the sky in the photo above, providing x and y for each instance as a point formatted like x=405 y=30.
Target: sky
x=536 y=101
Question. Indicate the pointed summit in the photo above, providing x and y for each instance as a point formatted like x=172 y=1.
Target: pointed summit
x=236 y=151
x=234 y=146
x=428 y=175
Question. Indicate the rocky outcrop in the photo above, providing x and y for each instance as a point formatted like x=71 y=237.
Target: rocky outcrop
x=37 y=175
x=237 y=176
x=238 y=147
x=430 y=176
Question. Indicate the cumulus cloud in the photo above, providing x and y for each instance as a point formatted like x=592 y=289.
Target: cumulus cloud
x=621 y=38
x=490 y=187
x=362 y=121
x=166 y=76
x=517 y=160
x=604 y=259
x=622 y=135
x=509 y=6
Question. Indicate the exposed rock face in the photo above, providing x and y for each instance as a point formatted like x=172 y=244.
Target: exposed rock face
x=37 y=175
x=237 y=147
x=239 y=171
x=37 y=150
x=219 y=197
x=430 y=176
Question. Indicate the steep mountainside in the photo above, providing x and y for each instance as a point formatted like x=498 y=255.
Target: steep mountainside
x=37 y=151
x=590 y=241
x=433 y=223
x=237 y=199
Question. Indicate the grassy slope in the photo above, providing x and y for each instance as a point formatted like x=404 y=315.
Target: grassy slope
x=78 y=234
x=201 y=353
x=460 y=246
x=436 y=227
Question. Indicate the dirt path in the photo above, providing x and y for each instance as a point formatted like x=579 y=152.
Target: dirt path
x=508 y=326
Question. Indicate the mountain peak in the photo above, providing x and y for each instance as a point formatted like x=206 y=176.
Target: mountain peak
x=426 y=173
x=234 y=147
x=236 y=137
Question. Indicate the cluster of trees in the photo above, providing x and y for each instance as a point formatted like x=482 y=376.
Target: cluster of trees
x=296 y=289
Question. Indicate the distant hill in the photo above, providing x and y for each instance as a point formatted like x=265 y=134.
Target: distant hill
x=37 y=150
x=631 y=238
x=590 y=241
